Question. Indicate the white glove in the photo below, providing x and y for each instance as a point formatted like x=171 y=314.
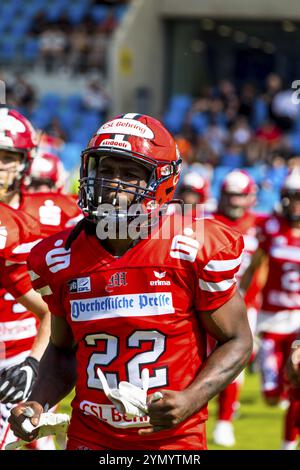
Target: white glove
x=49 y=424
x=129 y=399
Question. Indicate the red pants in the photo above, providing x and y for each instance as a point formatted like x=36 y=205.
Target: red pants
x=275 y=350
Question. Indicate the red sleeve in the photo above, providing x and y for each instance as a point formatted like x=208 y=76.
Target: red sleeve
x=15 y=278
x=18 y=234
x=216 y=272
x=43 y=282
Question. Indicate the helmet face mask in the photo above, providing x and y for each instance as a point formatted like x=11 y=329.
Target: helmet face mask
x=135 y=180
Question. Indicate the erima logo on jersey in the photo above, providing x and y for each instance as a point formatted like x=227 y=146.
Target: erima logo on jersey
x=81 y=284
x=115 y=306
x=159 y=281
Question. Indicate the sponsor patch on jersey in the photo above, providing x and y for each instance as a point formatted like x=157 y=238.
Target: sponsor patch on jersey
x=122 y=144
x=128 y=127
x=110 y=415
x=118 y=306
x=160 y=281
x=81 y=284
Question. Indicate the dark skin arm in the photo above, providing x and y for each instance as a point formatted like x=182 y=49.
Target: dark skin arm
x=259 y=261
x=229 y=326
x=56 y=377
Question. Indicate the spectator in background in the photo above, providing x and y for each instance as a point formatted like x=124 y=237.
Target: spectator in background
x=95 y=98
x=24 y=93
x=53 y=44
x=247 y=100
x=55 y=130
x=269 y=134
x=97 y=54
x=80 y=46
x=39 y=23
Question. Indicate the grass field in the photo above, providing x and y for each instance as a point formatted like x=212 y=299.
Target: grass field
x=257 y=426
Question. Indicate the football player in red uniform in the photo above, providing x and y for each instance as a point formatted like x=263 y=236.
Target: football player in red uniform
x=122 y=305
x=23 y=339
x=53 y=212
x=279 y=318
x=237 y=198
x=46 y=174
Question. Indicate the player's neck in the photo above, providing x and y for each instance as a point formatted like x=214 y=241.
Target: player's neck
x=12 y=199
x=296 y=228
x=117 y=247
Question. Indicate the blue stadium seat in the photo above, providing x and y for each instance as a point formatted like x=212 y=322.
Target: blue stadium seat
x=31 y=49
x=232 y=160
x=267 y=199
x=20 y=27
x=77 y=13
x=70 y=155
x=98 y=13
x=181 y=103
x=90 y=121
x=54 y=11
x=51 y=101
x=173 y=121
x=260 y=112
x=256 y=172
x=74 y=102
x=41 y=117
x=80 y=136
x=199 y=123
x=68 y=118
x=9 y=48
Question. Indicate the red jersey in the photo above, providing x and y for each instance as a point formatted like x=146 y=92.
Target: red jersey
x=139 y=310
x=248 y=226
x=282 y=245
x=18 y=233
x=54 y=211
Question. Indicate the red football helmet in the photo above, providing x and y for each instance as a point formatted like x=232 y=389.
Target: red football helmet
x=238 y=194
x=141 y=139
x=17 y=136
x=46 y=173
x=196 y=184
x=290 y=196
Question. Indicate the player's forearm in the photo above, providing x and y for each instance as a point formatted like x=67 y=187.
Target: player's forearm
x=33 y=302
x=222 y=366
x=56 y=377
x=42 y=338
x=258 y=260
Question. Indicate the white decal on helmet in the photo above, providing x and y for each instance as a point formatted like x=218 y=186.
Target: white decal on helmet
x=126 y=126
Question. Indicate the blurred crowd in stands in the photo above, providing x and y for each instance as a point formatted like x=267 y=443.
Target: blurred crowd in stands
x=226 y=128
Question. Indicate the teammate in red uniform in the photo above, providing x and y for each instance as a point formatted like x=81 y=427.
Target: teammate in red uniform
x=53 y=211
x=121 y=305
x=46 y=174
x=279 y=319
x=22 y=340
x=238 y=196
